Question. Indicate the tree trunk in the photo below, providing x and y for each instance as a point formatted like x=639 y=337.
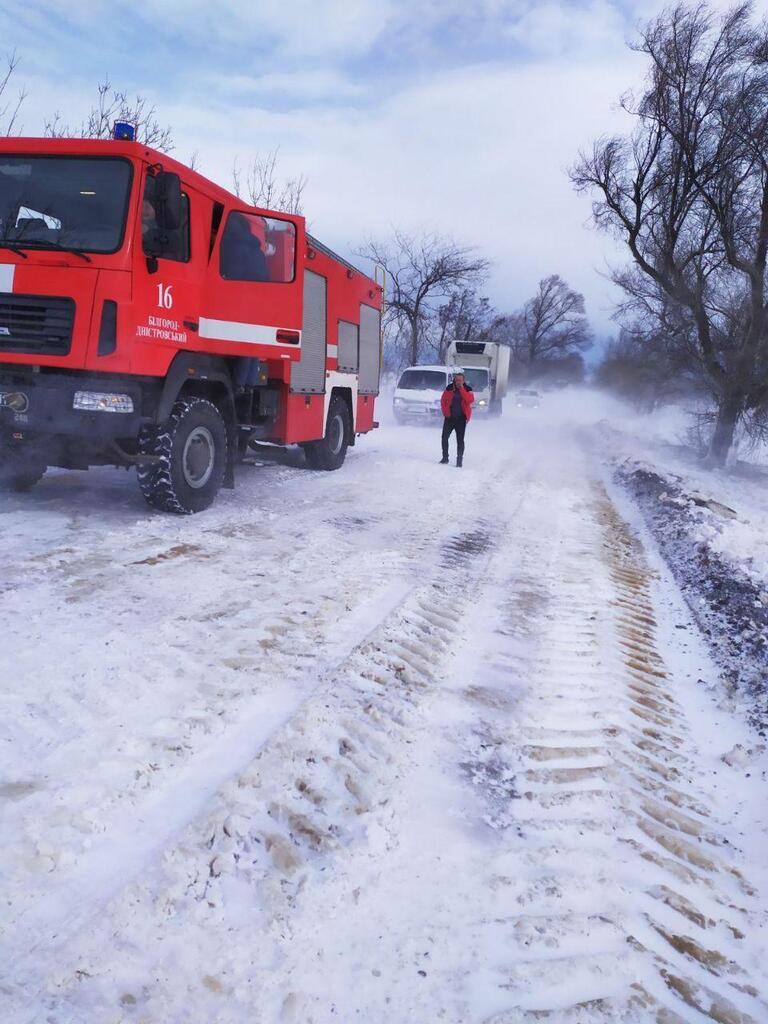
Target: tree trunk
x=725 y=426
x=414 y=342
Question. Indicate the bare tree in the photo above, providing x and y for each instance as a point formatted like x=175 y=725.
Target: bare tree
x=688 y=194
x=421 y=271
x=10 y=107
x=551 y=324
x=113 y=105
x=262 y=187
x=647 y=366
x=463 y=316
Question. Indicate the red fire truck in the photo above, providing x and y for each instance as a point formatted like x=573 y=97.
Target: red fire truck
x=150 y=318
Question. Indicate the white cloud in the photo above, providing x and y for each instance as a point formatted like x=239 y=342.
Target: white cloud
x=308 y=86
x=569 y=31
x=297 y=28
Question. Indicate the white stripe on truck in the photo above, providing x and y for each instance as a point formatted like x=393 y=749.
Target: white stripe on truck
x=247 y=334
x=7 y=271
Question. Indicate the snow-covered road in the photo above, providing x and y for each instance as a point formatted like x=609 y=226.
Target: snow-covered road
x=400 y=743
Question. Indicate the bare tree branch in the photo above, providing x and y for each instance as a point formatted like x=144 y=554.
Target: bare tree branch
x=464 y=315
x=552 y=323
x=9 y=109
x=422 y=271
x=262 y=187
x=113 y=105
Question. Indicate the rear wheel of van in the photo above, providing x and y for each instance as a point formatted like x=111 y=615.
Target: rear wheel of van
x=189 y=457
x=330 y=452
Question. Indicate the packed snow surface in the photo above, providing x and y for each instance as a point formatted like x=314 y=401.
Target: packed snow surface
x=401 y=743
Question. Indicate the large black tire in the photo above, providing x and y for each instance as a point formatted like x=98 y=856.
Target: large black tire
x=330 y=452
x=19 y=471
x=192 y=450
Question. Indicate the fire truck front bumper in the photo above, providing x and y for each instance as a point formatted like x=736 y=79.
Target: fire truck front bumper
x=99 y=408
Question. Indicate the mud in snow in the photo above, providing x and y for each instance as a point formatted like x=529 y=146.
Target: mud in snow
x=400 y=743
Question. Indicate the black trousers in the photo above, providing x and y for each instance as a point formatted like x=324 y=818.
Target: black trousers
x=459 y=424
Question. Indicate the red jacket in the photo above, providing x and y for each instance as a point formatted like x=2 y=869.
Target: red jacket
x=467 y=398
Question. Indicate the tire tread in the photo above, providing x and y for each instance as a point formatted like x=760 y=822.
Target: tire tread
x=155 y=478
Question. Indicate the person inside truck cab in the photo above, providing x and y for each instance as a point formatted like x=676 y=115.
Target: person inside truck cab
x=149 y=228
x=242 y=251
x=243 y=258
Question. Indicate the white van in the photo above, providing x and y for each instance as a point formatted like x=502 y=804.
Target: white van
x=418 y=392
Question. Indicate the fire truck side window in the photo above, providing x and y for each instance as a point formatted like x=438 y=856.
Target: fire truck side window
x=255 y=248
x=164 y=244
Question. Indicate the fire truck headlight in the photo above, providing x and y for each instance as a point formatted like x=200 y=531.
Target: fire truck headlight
x=100 y=401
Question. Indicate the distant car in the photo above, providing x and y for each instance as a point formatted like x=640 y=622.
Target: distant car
x=526 y=398
x=418 y=392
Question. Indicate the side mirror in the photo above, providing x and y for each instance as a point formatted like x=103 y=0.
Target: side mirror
x=168 y=201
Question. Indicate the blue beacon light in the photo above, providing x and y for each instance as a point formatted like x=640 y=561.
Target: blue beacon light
x=124 y=131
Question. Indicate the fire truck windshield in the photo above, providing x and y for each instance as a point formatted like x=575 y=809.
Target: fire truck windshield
x=63 y=202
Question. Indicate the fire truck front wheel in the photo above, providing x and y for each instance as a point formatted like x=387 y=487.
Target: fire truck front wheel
x=17 y=472
x=330 y=451
x=189 y=458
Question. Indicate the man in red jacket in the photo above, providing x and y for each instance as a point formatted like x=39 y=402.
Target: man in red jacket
x=456 y=404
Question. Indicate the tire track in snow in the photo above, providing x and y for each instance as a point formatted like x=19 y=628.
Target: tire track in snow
x=274 y=654
x=370 y=689
x=52 y=917
x=637 y=901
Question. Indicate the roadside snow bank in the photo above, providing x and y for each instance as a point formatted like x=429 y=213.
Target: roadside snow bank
x=728 y=595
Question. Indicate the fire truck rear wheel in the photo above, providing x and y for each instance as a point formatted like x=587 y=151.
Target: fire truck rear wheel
x=330 y=452
x=192 y=450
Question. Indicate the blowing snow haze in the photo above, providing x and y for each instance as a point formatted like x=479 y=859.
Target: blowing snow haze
x=461 y=118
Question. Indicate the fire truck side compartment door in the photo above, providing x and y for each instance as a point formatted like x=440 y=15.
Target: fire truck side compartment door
x=308 y=374
x=348 y=346
x=370 y=350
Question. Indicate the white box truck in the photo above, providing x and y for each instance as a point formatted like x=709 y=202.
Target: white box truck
x=486 y=366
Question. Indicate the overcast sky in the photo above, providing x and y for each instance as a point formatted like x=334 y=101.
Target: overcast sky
x=453 y=115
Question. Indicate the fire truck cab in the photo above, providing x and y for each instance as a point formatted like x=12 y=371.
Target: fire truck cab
x=149 y=317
